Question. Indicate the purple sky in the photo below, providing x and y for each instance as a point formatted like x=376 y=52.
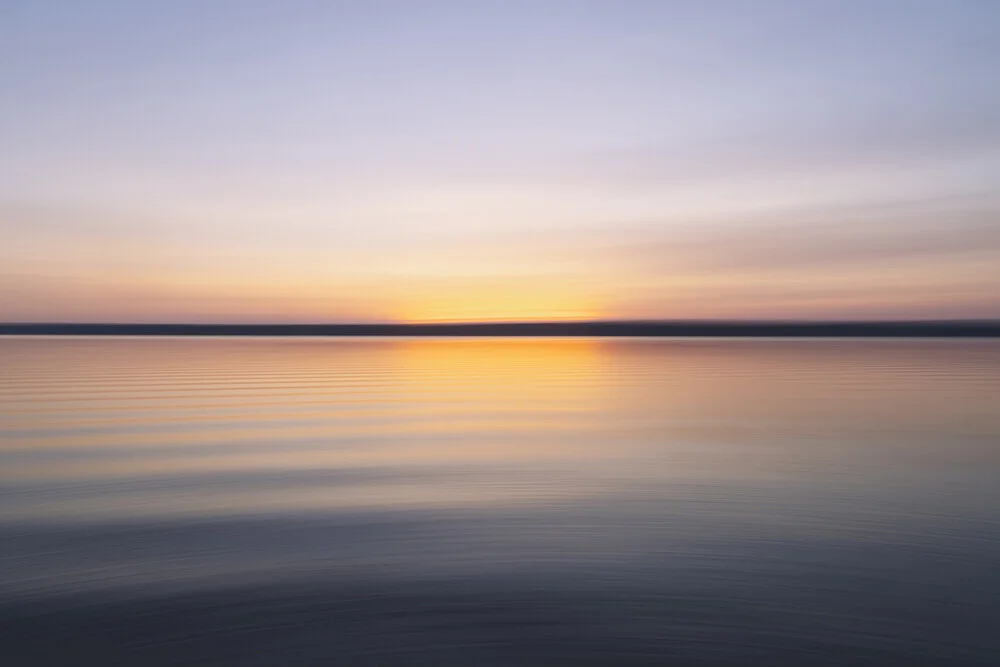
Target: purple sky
x=252 y=160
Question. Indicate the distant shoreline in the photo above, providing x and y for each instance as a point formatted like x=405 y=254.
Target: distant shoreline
x=889 y=329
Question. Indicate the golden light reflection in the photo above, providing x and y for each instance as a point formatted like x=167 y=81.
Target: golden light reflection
x=503 y=372
x=336 y=404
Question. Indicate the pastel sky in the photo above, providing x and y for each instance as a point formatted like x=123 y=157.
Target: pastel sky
x=367 y=160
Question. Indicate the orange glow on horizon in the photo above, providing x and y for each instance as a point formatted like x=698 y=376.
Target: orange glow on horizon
x=498 y=304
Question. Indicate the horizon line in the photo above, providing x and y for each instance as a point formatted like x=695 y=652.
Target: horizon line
x=555 y=321
x=968 y=328
x=506 y=322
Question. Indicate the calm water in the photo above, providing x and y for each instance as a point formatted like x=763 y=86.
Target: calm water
x=499 y=503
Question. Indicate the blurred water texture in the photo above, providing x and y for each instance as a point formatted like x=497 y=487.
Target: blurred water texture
x=499 y=502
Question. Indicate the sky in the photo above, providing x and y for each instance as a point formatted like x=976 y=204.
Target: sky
x=449 y=160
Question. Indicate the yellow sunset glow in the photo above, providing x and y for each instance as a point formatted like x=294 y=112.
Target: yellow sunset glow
x=479 y=303
x=501 y=308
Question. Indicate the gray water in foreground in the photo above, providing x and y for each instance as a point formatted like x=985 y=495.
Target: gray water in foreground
x=499 y=502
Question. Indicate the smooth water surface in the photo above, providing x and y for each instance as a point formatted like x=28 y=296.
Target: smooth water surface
x=499 y=502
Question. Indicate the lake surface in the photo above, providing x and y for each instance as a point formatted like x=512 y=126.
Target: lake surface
x=499 y=502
